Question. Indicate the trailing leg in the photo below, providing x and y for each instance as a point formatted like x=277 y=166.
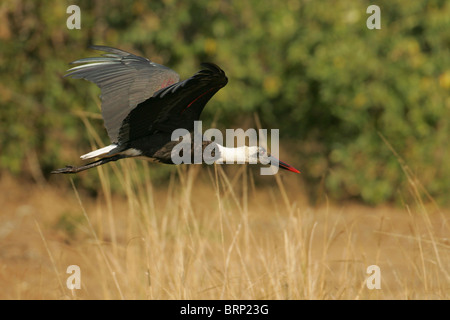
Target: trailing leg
x=72 y=169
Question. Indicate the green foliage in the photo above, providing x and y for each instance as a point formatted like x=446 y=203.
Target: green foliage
x=310 y=68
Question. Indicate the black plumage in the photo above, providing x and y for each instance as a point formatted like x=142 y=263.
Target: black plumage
x=143 y=102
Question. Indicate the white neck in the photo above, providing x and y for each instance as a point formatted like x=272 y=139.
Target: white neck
x=233 y=155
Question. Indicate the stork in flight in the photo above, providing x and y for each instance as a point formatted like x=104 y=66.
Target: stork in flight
x=144 y=102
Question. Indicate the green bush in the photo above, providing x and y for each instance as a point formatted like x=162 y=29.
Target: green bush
x=310 y=68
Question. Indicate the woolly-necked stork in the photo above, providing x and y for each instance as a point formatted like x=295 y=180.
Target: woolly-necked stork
x=144 y=102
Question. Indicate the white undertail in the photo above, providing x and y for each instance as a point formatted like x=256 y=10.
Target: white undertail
x=98 y=152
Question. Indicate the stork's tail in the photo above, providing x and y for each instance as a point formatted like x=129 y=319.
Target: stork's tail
x=99 y=152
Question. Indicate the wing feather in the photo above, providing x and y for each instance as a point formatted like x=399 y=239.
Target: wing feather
x=125 y=80
x=176 y=106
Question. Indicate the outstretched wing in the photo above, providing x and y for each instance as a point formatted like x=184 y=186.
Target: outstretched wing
x=125 y=81
x=173 y=107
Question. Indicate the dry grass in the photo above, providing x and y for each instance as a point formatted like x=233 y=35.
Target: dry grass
x=211 y=235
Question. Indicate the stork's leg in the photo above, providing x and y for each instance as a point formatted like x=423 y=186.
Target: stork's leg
x=71 y=169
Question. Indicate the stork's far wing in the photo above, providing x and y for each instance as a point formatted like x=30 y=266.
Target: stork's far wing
x=125 y=81
x=176 y=106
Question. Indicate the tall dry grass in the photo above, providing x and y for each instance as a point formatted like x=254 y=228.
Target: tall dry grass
x=214 y=234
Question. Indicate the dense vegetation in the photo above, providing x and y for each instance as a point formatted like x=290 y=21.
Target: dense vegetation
x=310 y=68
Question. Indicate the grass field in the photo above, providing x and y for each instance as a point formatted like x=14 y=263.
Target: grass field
x=213 y=235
